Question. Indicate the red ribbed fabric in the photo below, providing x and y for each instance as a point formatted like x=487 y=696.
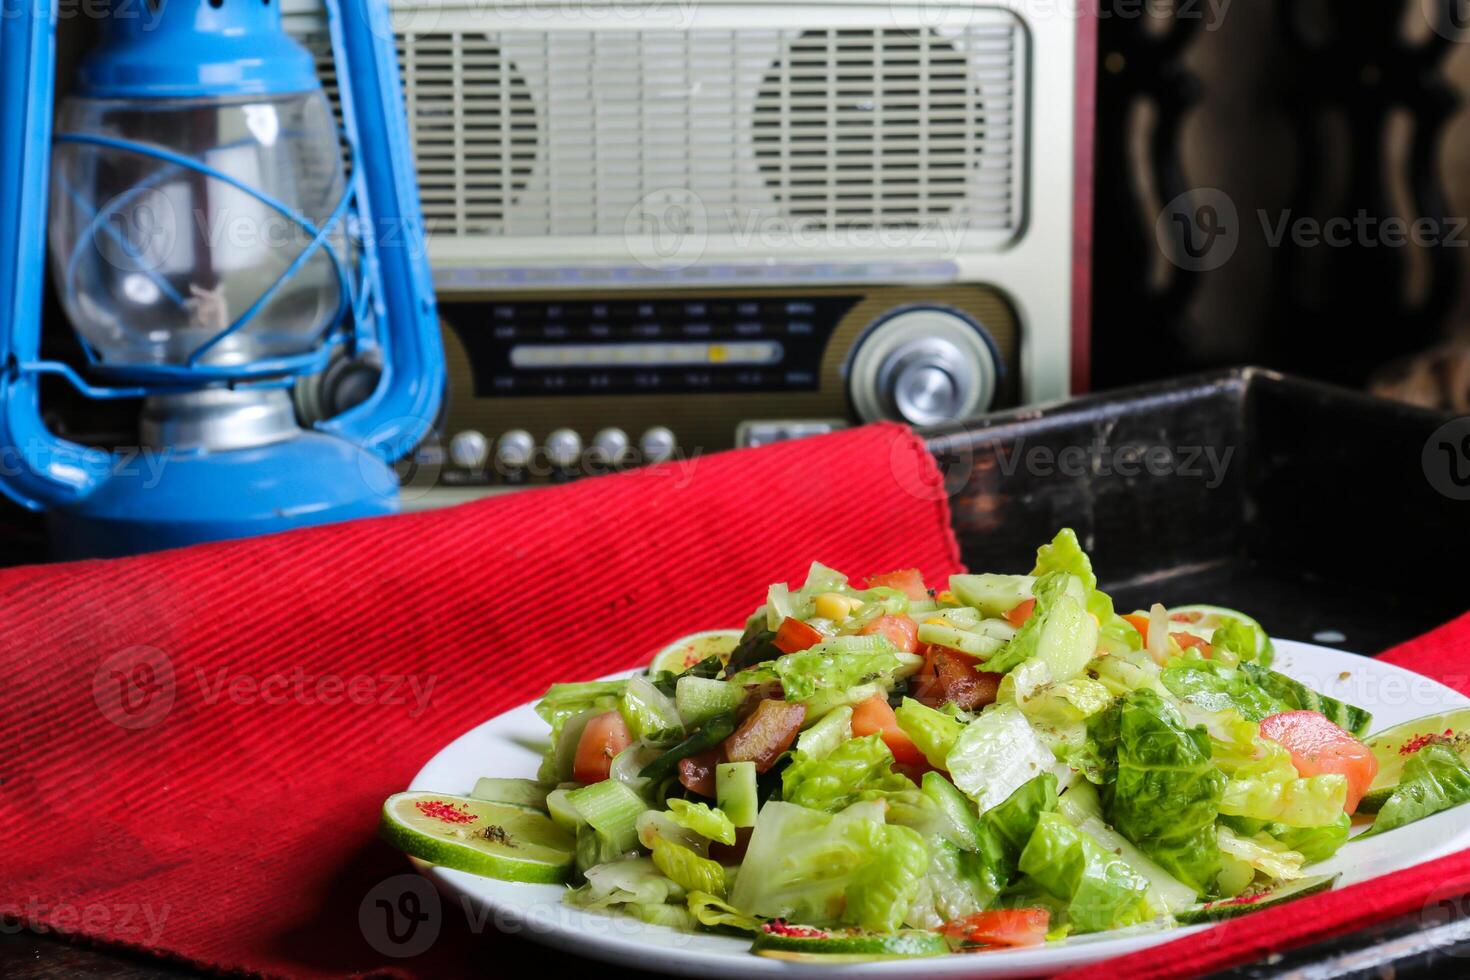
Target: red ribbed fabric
x=1443 y=654
x=197 y=743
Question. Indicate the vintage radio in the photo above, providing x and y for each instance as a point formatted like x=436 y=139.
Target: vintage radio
x=660 y=228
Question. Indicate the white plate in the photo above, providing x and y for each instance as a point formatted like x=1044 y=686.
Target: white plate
x=511 y=745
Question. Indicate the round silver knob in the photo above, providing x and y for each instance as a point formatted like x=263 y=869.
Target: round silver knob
x=657 y=444
x=609 y=447
x=469 y=449
x=563 y=448
x=923 y=366
x=514 y=450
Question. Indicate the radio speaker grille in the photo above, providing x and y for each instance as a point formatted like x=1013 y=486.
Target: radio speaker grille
x=523 y=133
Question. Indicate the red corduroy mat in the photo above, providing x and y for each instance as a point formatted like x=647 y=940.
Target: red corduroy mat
x=196 y=744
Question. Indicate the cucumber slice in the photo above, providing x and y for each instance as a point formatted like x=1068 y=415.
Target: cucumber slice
x=735 y=792
x=1393 y=747
x=994 y=595
x=562 y=811
x=953 y=638
x=1229 y=908
x=689 y=650
x=491 y=839
x=513 y=792
x=847 y=946
x=698 y=699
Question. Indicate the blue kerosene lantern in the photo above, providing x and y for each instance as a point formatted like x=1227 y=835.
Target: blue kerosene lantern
x=209 y=251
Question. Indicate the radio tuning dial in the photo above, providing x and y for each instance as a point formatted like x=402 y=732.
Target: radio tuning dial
x=657 y=444
x=923 y=366
x=514 y=450
x=469 y=449
x=563 y=448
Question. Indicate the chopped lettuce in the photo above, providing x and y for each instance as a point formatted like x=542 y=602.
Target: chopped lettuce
x=1005 y=830
x=932 y=732
x=703 y=820
x=624 y=882
x=716 y=913
x=561 y=701
x=957 y=883
x=1314 y=843
x=1055 y=628
x=688 y=869
x=836 y=780
x=1100 y=889
x=834 y=728
x=1166 y=794
x=881 y=891
x=997 y=753
x=1065 y=554
x=1263 y=783
x=1244 y=641
x=1082 y=807
x=840 y=664
x=992 y=595
x=1434 y=779
x=1264 y=853
x=1214 y=686
x=800 y=863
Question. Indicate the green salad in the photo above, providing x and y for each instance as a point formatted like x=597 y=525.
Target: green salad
x=906 y=768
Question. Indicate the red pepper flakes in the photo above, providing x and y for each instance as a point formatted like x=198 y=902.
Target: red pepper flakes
x=779 y=927
x=447 y=812
x=1419 y=741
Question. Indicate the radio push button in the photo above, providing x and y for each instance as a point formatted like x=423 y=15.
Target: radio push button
x=657 y=444
x=608 y=450
x=563 y=448
x=513 y=452
x=469 y=449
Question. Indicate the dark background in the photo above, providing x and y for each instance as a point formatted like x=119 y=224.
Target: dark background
x=1292 y=108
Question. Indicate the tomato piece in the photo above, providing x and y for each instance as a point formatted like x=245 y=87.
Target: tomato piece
x=874 y=716
x=1188 y=640
x=909 y=581
x=793 y=635
x=956 y=679
x=697 y=772
x=1138 y=621
x=901 y=631
x=1318 y=746
x=731 y=853
x=768 y=732
x=604 y=737
x=1021 y=613
x=1001 y=927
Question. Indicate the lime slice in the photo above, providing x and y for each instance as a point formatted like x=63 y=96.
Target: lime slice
x=847 y=946
x=491 y=839
x=1202 y=620
x=689 y=650
x=1393 y=746
x=1229 y=908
